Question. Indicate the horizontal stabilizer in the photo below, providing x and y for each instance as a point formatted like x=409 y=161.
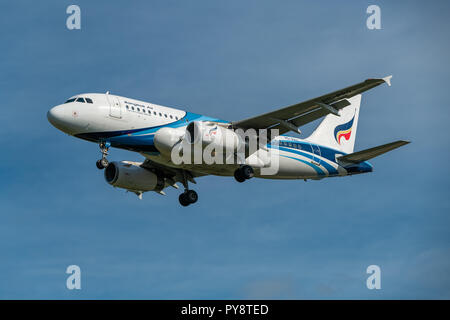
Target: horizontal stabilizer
x=367 y=154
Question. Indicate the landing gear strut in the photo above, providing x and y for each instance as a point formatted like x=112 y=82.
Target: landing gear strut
x=188 y=196
x=243 y=173
x=103 y=162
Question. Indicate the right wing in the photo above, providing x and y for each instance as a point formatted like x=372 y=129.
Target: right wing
x=294 y=116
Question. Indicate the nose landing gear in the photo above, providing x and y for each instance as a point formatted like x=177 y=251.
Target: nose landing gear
x=103 y=162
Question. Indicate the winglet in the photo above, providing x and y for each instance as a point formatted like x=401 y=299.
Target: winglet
x=388 y=80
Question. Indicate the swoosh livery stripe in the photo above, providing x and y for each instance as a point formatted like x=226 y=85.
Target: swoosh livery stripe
x=330 y=168
x=146 y=131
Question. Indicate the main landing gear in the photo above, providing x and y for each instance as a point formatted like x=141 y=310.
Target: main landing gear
x=243 y=173
x=188 y=196
x=103 y=162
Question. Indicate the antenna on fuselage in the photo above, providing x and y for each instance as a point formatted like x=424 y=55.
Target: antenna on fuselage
x=107 y=92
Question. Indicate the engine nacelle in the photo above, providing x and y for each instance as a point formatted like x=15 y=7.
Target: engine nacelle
x=130 y=176
x=166 y=138
x=210 y=133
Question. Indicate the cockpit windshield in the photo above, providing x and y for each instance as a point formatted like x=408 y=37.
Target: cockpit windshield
x=80 y=99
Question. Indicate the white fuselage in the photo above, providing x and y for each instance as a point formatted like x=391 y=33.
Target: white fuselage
x=131 y=124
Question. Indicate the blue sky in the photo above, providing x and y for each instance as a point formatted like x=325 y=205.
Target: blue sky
x=231 y=60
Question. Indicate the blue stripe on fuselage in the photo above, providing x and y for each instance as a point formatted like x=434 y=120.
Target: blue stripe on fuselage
x=326 y=153
x=331 y=170
x=141 y=136
x=307 y=151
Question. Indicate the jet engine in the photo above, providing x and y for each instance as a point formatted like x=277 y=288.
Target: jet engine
x=166 y=138
x=129 y=175
x=214 y=135
x=177 y=142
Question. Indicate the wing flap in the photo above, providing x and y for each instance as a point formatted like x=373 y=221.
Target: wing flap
x=364 y=155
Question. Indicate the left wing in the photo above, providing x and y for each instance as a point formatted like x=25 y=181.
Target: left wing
x=294 y=116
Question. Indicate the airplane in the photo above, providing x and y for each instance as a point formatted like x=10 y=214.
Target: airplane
x=155 y=131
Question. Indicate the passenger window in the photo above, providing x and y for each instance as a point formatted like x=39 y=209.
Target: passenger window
x=80 y=100
x=160 y=114
x=154 y=113
x=89 y=100
x=176 y=117
x=132 y=108
x=171 y=117
x=138 y=109
x=165 y=115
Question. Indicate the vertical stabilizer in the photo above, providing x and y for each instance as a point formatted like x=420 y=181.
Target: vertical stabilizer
x=339 y=132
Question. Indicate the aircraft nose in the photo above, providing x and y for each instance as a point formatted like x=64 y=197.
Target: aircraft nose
x=58 y=117
x=55 y=115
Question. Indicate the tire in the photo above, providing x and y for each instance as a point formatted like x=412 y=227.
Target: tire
x=104 y=162
x=183 y=200
x=238 y=176
x=247 y=172
x=99 y=165
x=191 y=196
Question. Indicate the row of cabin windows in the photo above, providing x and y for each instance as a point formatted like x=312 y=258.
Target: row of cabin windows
x=80 y=99
x=290 y=144
x=305 y=146
x=149 y=112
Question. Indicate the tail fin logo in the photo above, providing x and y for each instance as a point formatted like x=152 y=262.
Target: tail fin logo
x=343 y=130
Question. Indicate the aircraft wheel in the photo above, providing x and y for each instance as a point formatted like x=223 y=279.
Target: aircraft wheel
x=247 y=172
x=104 y=162
x=183 y=200
x=191 y=196
x=239 y=176
x=99 y=165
